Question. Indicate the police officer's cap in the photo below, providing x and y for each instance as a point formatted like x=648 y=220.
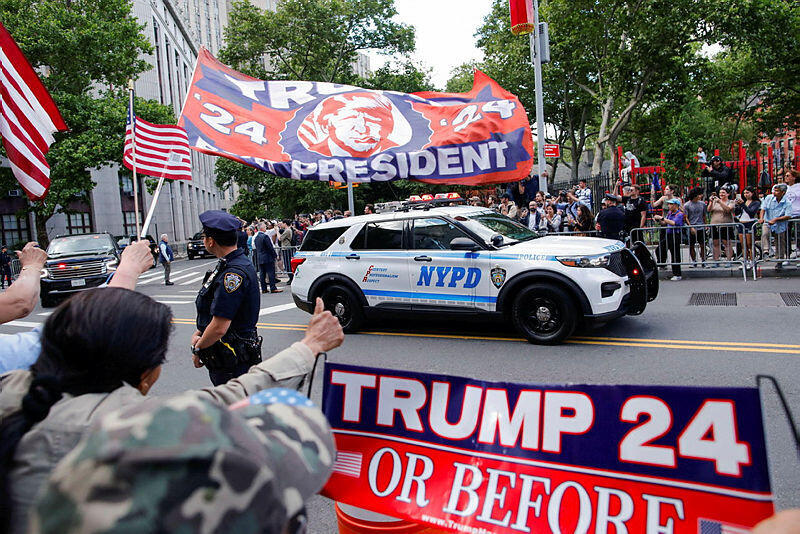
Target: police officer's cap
x=219 y=220
x=609 y=196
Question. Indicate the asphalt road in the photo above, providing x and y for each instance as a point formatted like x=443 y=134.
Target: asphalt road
x=672 y=343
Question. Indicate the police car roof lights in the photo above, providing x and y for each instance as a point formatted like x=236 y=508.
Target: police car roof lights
x=427 y=201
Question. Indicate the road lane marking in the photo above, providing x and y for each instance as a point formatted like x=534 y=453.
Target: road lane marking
x=673 y=341
x=193 y=280
x=276 y=309
x=171 y=278
x=23 y=324
x=175 y=301
x=628 y=342
x=150 y=276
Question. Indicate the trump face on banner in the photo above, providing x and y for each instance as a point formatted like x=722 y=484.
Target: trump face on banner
x=355 y=124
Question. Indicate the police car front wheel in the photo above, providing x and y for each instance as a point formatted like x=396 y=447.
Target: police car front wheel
x=341 y=302
x=544 y=314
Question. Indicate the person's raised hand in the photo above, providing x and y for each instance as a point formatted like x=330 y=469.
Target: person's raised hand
x=324 y=331
x=785 y=522
x=32 y=256
x=137 y=257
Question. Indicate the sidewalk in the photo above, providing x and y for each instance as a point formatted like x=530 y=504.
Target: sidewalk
x=765 y=270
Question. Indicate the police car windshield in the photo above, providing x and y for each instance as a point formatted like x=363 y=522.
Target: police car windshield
x=487 y=225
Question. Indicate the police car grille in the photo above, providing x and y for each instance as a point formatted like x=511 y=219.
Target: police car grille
x=615 y=264
x=78 y=270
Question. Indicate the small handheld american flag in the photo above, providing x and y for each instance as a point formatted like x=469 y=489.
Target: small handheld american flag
x=160 y=149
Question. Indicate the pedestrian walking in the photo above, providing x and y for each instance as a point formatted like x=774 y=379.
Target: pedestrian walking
x=166 y=258
x=226 y=341
x=5 y=268
x=266 y=260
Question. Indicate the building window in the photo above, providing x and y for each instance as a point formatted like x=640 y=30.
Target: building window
x=169 y=77
x=157 y=46
x=129 y=222
x=14 y=230
x=79 y=223
x=126 y=185
x=178 y=78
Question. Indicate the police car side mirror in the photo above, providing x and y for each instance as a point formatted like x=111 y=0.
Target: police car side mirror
x=463 y=243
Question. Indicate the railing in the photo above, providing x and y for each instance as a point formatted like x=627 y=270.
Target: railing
x=769 y=247
x=711 y=238
x=16 y=266
x=285 y=254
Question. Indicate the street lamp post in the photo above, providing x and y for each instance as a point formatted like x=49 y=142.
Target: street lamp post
x=536 y=58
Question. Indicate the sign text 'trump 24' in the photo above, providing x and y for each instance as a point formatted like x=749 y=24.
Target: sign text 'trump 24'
x=472 y=456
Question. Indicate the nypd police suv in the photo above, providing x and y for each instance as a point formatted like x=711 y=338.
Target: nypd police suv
x=428 y=258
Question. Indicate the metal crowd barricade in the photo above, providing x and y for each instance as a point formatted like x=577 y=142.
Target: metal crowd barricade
x=285 y=254
x=16 y=267
x=656 y=235
x=769 y=247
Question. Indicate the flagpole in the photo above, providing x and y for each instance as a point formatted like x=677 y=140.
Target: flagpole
x=153 y=205
x=133 y=158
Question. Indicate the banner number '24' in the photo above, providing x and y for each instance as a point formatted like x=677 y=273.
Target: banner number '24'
x=222 y=118
x=710 y=435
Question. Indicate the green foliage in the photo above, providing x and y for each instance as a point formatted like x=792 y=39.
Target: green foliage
x=405 y=77
x=311 y=39
x=88 y=50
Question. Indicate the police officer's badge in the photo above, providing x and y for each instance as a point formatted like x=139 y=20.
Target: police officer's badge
x=232 y=281
x=498 y=277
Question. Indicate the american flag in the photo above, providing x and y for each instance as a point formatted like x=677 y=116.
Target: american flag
x=161 y=149
x=28 y=119
x=708 y=526
x=348 y=463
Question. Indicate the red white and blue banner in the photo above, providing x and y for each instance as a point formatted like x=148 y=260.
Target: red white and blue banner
x=465 y=455
x=325 y=131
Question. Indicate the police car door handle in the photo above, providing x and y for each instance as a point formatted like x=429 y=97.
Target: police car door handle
x=352 y=257
x=422 y=258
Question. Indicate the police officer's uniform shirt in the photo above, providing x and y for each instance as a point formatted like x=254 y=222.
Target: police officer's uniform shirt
x=235 y=295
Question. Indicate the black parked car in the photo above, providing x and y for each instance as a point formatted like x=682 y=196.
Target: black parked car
x=196 y=249
x=76 y=263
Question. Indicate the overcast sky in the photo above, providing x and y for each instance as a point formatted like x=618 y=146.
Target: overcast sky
x=445 y=33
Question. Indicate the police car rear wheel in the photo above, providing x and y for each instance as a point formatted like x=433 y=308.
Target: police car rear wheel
x=341 y=302
x=544 y=314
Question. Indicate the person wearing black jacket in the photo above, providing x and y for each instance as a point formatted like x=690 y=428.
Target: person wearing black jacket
x=5 y=268
x=717 y=175
x=266 y=254
x=611 y=220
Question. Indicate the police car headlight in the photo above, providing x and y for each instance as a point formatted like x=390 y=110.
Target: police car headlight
x=584 y=261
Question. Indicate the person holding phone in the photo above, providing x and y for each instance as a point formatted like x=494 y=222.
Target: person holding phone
x=720 y=207
x=747 y=208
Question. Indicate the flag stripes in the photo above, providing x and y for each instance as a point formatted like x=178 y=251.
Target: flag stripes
x=161 y=149
x=28 y=119
x=348 y=463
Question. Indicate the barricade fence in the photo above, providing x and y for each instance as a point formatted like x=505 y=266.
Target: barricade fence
x=778 y=247
x=283 y=261
x=708 y=245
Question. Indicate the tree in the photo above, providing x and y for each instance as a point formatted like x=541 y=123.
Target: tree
x=312 y=40
x=87 y=49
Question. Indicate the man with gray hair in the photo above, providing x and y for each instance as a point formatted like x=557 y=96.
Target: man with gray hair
x=776 y=209
x=165 y=256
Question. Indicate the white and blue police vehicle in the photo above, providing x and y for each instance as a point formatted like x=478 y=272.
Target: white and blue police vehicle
x=443 y=259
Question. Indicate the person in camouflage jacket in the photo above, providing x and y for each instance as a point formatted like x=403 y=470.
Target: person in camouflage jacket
x=189 y=465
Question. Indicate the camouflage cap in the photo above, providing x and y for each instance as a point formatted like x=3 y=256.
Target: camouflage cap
x=187 y=465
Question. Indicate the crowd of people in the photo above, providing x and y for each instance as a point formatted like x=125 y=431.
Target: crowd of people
x=83 y=448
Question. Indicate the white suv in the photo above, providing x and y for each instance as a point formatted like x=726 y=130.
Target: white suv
x=457 y=259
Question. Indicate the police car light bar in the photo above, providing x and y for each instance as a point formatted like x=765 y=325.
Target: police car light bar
x=427 y=197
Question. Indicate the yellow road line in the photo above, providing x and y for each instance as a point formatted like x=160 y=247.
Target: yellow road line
x=731 y=346
x=678 y=346
x=731 y=343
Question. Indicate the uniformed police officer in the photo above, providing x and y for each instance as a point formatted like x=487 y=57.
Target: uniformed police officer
x=226 y=341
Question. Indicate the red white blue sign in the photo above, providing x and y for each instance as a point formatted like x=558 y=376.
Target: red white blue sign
x=325 y=131
x=471 y=456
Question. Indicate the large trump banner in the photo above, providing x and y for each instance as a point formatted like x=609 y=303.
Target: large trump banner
x=465 y=455
x=325 y=131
